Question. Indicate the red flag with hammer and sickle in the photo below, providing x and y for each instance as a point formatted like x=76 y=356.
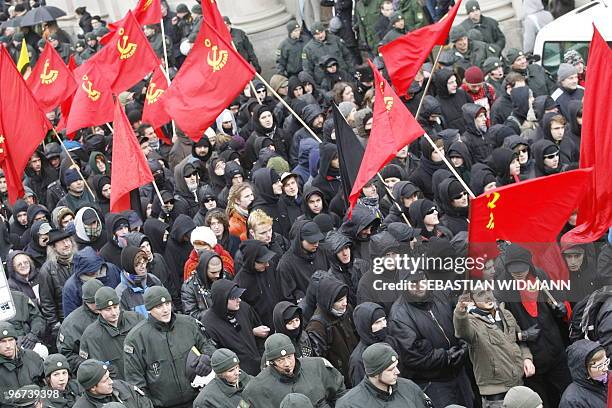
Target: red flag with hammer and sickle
x=148 y=12
x=153 y=112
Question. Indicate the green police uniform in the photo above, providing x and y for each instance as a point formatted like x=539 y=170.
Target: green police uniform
x=413 y=14
x=70 y=332
x=489 y=28
x=219 y=394
x=244 y=47
x=103 y=342
x=367 y=13
x=62 y=399
x=28 y=318
x=24 y=369
x=155 y=354
x=314 y=50
x=289 y=56
x=128 y=395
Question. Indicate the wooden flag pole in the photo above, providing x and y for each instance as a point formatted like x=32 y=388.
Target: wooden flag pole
x=163 y=33
x=76 y=166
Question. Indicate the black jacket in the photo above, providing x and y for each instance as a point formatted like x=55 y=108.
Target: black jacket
x=450 y=104
x=111 y=252
x=473 y=137
x=177 y=249
x=328 y=178
x=583 y=392
x=364 y=316
x=283 y=312
x=270 y=203
x=349 y=273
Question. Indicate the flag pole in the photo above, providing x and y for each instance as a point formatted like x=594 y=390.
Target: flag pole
x=77 y=168
x=166 y=74
x=433 y=68
x=281 y=100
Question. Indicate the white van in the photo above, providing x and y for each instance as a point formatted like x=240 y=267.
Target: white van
x=573 y=31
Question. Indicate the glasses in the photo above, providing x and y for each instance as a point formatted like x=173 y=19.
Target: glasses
x=551 y=156
x=195 y=173
x=523 y=150
x=209 y=200
x=432 y=210
x=460 y=195
x=603 y=366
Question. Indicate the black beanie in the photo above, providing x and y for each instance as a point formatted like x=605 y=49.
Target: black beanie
x=378 y=313
x=454 y=189
x=391 y=170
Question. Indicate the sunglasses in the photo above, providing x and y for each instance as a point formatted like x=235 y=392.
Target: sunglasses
x=209 y=200
x=523 y=150
x=195 y=173
x=432 y=210
x=460 y=195
x=551 y=156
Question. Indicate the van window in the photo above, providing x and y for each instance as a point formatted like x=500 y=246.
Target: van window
x=553 y=51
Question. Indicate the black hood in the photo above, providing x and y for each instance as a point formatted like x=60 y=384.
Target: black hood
x=310 y=113
x=202 y=268
x=573 y=107
x=309 y=191
x=136 y=238
x=99 y=181
x=538 y=149
x=112 y=220
x=496 y=135
x=200 y=143
x=437 y=178
x=180 y=171
x=539 y=105
x=418 y=211
x=403 y=189
x=262 y=181
x=440 y=79
x=520 y=102
x=446 y=199
x=578 y=356
x=361 y=218
x=462 y=150
x=127 y=258
x=511 y=142
x=249 y=249
x=500 y=162
x=327 y=152
x=546 y=121
x=220 y=294
x=294 y=82
x=430 y=107
x=183 y=225
x=257 y=112
x=35 y=209
x=481 y=175
x=329 y=290
x=470 y=111
x=335 y=241
x=154 y=230
x=232 y=169
x=282 y=312
x=363 y=316
x=382 y=243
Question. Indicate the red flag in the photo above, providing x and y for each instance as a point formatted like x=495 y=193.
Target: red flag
x=127 y=56
x=210 y=13
x=404 y=56
x=153 y=112
x=531 y=214
x=595 y=211
x=148 y=12
x=161 y=135
x=210 y=78
x=23 y=125
x=65 y=106
x=93 y=101
x=394 y=127
x=128 y=159
x=51 y=81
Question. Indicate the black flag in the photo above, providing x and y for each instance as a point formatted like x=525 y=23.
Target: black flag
x=350 y=152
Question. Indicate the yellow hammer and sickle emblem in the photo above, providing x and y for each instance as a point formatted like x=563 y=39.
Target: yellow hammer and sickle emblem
x=153 y=94
x=388 y=103
x=219 y=57
x=1 y=143
x=126 y=49
x=91 y=93
x=491 y=205
x=48 y=76
x=147 y=5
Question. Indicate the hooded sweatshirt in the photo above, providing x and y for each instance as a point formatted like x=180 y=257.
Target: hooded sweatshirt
x=450 y=104
x=364 y=316
x=178 y=248
x=474 y=137
x=328 y=177
x=111 y=251
x=270 y=203
x=285 y=311
x=583 y=392
x=195 y=292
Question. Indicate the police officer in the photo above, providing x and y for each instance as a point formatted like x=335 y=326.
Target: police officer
x=225 y=390
x=314 y=377
x=243 y=44
x=324 y=43
x=289 y=52
x=537 y=79
x=156 y=350
x=465 y=52
x=398 y=27
x=382 y=386
x=100 y=389
x=103 y=339
x=71 y=330
x=18 y=367
x=489 y=27
x=64 y=390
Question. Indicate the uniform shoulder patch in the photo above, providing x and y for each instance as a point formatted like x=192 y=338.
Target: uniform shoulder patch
x=304 y=56
x=84 y=354
x=61 y=337
x=139 y=391
x=128 y=349
x=243 y=404
x=327 y=363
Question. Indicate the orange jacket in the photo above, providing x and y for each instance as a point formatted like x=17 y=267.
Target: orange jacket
x=238 y=225
x=192 y=262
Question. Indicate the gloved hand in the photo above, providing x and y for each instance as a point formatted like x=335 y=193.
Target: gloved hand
x=28 y=341
x=559 y=310
x=202 y=367
x=530 y=334
x=454 y=355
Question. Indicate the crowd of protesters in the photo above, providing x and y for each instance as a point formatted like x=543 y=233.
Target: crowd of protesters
x=245 y=264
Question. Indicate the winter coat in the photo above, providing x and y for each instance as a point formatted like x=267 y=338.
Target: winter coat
x=315 y=49
x=473 y=137
x=220 y=394
x=181 y=191
x=81 y=237
x=237 y=336
x=177 y=249
x=70 y=332
x=86 y=262
x=195 y=292
x=361 y=218
x=111 y=251
x=52 y=277
x=404 y=393
x=270 y=203
x=422 y=176
x=450 y=104
x=349 y=273
x=301 y=169
x=25 y=369
x=309 y=114
x=263 y=289
x=454 y=218
x=569 y=152
x=501 y=109
x=333 y=337
x=283 y=311
x=364 y=318
x=583 y=392
x=489 y=28
x=131 y=296
x=496 y=355
x=296 y=266
x=28 y=285
x=27 y=317
x=328 y=179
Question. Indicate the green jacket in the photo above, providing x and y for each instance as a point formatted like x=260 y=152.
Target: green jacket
x=103 y=342
x=28 y=318
x=414 y=16
x=219 y=394
x=314 y=377
x=489 y=27
x=496 y=354
x=128 y=395
x=538 y=80
x=70 y=332
x=155 y=356
x=365 y=395
x=314 y=50
x=476 y=54
x=366 y=14
x=25 y=369
x=63 y=399
x=289 y=56
x=245 y=48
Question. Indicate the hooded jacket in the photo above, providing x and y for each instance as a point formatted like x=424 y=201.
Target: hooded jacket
x=583 y=392
x=33 y=249
x=233 y=330
x=309 y=114
x=130 y=291
x=482 y=175
x=474 y=137
x=364 y=318
x=418 y=211
x=282 y=313
x=39 y=182
x=155 y=230
x=527 y=169
x=177 y=248
x=500 y=162
x=195 y=292
x=296 y=266
x=362 y=218
x=81 y=237
x=461 y=149
x=450 y=104
x=569 y=152
x=454 y=218
x=538 y=149
x=334 y=338
x=270 y=203
x=98 y=182
x=20 y=283
x=328 y=177
x=349 y=273
x=307 y=213
x=16 y=229
x=399 y=190
x=430 y=106
x=263 y=289
x=181 y=190
x=111 y=251
x=302 y=167
x=573 y=129
x=421 y=177
x=86 y=262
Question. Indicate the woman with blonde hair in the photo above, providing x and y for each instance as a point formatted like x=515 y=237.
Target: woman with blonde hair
x=239 y=200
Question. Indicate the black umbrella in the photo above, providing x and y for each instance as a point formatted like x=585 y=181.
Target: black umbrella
x=41 y=14
x=12 y=22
